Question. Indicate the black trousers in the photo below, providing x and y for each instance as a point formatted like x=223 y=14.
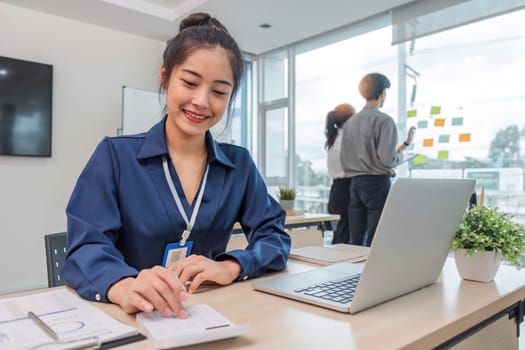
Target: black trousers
x=338 y=203
x=367 y=198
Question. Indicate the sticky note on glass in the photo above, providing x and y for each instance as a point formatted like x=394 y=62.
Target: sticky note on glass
x=422 y=124
x=412 y=113
x=464 y=137
x=458 y=121
x=442 y=154
x=439 y=122
x=428 y=142
x=419 y=159
x=435 y=110
x=444 y=138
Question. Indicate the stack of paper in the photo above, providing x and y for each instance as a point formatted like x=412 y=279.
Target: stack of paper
x=76 y=323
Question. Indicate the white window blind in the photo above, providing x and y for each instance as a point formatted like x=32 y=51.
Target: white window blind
x=425 y=17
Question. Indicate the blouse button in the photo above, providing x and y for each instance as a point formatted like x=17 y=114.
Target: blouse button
x=245 y=278
x=97 y=297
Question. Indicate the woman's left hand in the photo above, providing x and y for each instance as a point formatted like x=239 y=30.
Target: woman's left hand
x=199 y=269
x=410 y=135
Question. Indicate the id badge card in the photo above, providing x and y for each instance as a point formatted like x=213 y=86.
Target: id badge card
x=176 y=251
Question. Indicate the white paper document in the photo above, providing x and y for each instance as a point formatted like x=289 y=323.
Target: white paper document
x=75 y=322
x=204 y=324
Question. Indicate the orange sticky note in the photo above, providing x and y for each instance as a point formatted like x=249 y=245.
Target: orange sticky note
x=464 y=137
x=439 y=122
x=428 y=142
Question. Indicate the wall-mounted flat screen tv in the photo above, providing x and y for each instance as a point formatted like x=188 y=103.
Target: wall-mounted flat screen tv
x=25 y=107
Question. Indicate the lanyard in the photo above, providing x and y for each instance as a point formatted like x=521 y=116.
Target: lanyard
x=191 y=222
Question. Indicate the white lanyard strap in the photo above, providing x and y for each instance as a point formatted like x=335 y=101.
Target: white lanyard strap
x=175 y=195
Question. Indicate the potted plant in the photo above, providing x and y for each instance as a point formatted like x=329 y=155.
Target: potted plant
x=287 y=197
x=486 y=236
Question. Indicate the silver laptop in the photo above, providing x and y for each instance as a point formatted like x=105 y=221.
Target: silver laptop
x=412 y=240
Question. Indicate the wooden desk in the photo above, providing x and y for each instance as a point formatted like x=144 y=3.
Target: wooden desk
x=424 y=319
x=323 y=221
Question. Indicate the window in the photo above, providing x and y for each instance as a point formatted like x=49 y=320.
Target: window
x=276 y=152
x=275 y=72
x=461 y=88
x=233 y=128
x=326 y=77
x=469 y=107
x=274 y=120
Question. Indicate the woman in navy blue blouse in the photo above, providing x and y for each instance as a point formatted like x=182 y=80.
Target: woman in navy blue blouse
x=138 y=194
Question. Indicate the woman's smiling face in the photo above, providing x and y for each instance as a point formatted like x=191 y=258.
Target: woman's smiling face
x=198 y=90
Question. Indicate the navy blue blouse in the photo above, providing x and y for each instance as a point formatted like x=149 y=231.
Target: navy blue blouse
x=121 y=214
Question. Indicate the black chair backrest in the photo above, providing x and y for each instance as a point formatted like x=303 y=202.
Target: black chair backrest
x=55 y=256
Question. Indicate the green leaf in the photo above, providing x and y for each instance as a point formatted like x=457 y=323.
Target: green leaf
x=486 y=228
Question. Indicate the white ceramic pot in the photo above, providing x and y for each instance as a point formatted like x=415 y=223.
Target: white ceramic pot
x=287 y=204
x=481 y=267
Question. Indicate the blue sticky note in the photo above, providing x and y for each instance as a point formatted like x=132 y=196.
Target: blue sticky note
x=457 y=121
x=422 y=124
x=444 y=138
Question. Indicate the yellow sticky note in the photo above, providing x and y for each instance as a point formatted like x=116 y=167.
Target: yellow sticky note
x=420 y=159
x=412 y=113
x=439 y=122
x=428 y=142
x=442 y=154
x=464 y=137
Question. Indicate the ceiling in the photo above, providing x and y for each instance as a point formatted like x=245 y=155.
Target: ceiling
x=291 y=20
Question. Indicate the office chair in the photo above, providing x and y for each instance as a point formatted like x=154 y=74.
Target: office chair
x=55 y=256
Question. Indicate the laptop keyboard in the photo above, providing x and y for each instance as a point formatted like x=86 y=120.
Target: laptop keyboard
x=339 y=292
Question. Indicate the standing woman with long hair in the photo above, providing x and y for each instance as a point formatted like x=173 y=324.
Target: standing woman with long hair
x=338 y=200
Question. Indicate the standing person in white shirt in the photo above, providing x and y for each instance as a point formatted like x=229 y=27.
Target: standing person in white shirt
x=338 y=201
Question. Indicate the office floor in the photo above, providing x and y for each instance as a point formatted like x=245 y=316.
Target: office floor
x=327 y=238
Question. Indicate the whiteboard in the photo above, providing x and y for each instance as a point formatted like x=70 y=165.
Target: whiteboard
x=141 y=109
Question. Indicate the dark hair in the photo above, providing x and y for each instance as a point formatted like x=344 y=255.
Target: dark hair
x=200 y=30
x=372 y=85
x=335 y=120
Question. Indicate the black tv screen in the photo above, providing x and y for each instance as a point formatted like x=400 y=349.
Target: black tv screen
x=25 y=107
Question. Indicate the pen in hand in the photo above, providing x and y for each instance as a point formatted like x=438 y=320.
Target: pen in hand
x=42 y=325
x=183 y=295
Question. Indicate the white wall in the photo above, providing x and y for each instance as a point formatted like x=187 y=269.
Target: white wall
x=90 y=64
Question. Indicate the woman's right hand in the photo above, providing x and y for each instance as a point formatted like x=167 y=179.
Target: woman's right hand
x=156 y=288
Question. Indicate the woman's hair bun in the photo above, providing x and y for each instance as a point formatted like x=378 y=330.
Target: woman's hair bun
x=201 y=19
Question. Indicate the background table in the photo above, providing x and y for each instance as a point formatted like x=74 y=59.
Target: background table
x=321 y=221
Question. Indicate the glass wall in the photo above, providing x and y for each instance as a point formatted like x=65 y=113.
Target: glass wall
x=469 y=107
x=239 y=119
x=276 y=140
x=274 y=121
x=326 y=77
x=461 y=88
x=275 y=74
x=233 y=128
